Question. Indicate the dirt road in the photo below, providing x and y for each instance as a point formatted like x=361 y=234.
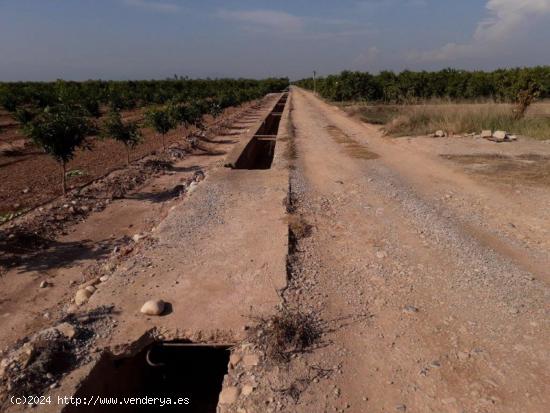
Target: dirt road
x=429 y=273
x=434 y=284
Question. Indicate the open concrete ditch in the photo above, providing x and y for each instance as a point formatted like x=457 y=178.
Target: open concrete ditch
x=188 y=372
x=260 y=150
x=183 y=369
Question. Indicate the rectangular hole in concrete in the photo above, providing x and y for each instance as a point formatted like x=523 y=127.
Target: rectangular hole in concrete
x=175 y=370
x=259 y=152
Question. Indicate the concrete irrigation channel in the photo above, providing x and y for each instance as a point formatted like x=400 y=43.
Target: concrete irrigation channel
x=220 y=258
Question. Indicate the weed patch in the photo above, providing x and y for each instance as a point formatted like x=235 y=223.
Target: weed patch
x=288 y=332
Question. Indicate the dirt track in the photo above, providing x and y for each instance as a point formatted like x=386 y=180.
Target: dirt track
x=431 y=279
x=451 y=273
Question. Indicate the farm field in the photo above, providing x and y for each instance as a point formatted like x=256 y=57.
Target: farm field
x=275 y=207
x=384 y=269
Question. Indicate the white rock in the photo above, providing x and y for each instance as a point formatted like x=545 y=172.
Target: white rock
x=499 y=135
x=234 y=359
x=104 y=278
x=229 y=395
x=138 y=237
x=91 y=289
x=66 y=329
x=153 y=307
x=512 y=137
x=486 y=134
x=247 y=390
x=440 y=134
x=82 y=296
x=44 y=284
x=409 y=309
x=251 y=360
x=380 y=254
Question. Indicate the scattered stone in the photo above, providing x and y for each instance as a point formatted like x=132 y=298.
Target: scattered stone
x=82 y=296
x=512 y=137
x=251 y=360
x=44 y=284
x=462 y=356
x=486 y=134
x=26 y=190
x=401 y=408
x=153 y=307
x=138 y=237
x=435 y=364
x=440 y=134
x=381 y=254
x=199 y=176
x=234 y=359
x=104 y=278
x=67 y=329
x=247 y=390
x=229 y=395
x=90 y=288
x=409 y=309
x=499 y=135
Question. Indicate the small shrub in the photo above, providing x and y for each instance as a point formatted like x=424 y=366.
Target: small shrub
x=288 y=332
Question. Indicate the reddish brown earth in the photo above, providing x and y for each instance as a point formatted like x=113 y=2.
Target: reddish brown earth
x=426 y=262
x=30 y=177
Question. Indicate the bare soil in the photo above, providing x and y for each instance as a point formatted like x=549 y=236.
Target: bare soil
x=359 y=273
x=30 y=177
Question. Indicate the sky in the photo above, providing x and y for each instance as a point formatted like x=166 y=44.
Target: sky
x=156 y=39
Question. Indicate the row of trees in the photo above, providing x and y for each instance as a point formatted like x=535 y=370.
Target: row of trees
x=92 y=95
x=502 y=85
x=63 y=127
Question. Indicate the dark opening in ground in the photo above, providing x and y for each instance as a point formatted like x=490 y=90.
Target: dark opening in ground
x=179 y=371
x=259 y=152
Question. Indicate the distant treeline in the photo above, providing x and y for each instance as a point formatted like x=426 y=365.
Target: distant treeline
x=502 y=85
x=118 y=95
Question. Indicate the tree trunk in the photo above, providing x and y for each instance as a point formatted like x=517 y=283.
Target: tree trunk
x=64 y=178
x=127 y=156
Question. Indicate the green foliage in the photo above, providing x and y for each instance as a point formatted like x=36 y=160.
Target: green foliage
x=501 y=85
x=59 y=130
x=127 y=133
x=131 y=94
x=160 y=120
x=24 y=116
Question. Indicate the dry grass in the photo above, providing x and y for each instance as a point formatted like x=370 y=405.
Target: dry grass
x=351 y=147
x=528 y=169
x=285 y=333
x=454 y=118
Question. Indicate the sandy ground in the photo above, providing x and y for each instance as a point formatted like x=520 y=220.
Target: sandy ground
x=429 y=272
x=434 y=283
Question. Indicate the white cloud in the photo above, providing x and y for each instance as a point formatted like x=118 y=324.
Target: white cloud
x=507 y=20
x=265 y=19
x=153 y=5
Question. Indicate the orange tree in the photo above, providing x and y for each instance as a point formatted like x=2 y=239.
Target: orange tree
x=127 y=133
x=59 y=131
